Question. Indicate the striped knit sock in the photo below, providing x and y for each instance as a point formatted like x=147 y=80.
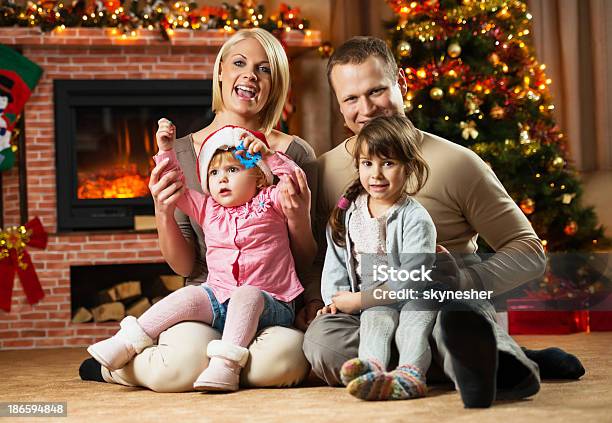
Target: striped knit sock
x=405 y=382
x=357 y=367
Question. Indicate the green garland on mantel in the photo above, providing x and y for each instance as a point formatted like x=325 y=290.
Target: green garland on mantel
x=164 y=16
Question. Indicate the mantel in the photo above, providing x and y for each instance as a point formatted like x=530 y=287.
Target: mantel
x=296 y=41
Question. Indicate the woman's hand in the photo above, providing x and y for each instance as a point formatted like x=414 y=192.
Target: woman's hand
x=165 y=190
x=295 y=201
x=347 y=302
x=165 y=135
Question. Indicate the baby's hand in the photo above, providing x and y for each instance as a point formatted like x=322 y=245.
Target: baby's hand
x=254 y=145
x=330 y=309
x=166 y=134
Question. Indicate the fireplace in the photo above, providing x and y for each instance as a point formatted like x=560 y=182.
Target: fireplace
x=75 y=256
x=105 y=140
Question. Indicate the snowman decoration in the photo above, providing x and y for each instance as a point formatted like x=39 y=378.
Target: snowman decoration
x=7 y=157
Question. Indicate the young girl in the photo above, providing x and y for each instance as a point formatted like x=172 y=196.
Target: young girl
x=252 y=280
x=377 y=223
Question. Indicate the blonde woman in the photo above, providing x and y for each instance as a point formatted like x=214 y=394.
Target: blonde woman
x=250 y=84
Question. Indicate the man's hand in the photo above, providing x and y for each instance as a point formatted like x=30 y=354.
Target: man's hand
x=347 y=302
x=330 y=309
x=307 y=314
x=446 y=269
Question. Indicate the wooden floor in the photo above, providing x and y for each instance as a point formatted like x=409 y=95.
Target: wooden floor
x=52 y=375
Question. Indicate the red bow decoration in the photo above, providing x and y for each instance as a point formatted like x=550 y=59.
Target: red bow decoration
x=14 y=258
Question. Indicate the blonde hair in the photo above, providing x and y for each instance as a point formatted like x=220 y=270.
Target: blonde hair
x=279 y=67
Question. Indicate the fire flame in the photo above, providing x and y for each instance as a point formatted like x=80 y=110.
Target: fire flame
x=118 y=182
x=121 y=180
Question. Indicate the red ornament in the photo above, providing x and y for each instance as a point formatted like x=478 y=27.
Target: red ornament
x=15 y=258
x=111 y=5
x=571 y=228
x=527 y=206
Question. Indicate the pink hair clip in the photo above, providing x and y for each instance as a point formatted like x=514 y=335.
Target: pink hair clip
x=343 y=203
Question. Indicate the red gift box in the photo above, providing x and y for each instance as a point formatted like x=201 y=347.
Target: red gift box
x=534 y=316
x=600 y=314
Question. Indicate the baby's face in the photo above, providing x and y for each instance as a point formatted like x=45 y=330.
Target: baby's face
x=230 y=184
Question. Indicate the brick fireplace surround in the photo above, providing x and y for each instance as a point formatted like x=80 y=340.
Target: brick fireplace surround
x=87 y=53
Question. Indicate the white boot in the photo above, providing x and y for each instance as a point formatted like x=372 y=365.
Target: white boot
x=223 y=371
x=116 y=351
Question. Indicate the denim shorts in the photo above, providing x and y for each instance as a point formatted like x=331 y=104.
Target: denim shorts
x=275 y=312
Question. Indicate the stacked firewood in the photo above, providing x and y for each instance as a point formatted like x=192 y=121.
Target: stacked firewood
x=127 y=299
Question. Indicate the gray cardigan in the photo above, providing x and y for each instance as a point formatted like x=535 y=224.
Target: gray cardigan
x=410 y=230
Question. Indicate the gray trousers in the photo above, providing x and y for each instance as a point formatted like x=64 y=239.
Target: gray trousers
x=331 y=339
x=407 y=323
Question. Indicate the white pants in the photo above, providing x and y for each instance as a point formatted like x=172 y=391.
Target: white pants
x=276 y=359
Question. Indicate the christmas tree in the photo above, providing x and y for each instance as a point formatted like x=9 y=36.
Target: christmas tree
x=473 y=79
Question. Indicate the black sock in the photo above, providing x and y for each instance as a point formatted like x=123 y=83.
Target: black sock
x=555 y=363
x=91 y=370
x=471 y=343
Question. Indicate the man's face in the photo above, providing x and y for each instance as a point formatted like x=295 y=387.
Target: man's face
x=366 y=90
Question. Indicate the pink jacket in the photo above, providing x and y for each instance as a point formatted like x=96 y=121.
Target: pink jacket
x=248 y=244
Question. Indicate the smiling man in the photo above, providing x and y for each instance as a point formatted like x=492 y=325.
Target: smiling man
x=465 y=199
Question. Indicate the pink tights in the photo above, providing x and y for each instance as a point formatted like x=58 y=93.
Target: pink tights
x=192 y=303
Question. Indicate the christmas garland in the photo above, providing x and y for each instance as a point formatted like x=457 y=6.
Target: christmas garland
x=161 y=15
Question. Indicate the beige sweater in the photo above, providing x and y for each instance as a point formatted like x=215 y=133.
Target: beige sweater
x=465 y=199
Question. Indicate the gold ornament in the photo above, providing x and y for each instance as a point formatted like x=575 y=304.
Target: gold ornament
x=524 y=134
x=558 y=163
x=471 y=104
x=567 y=198
x=571 y=228
x=436 y=93
x=326 y=50
x=527 y=206
x=503 y=14
x=533 y=96
x=407 y=105
x=524 y=137
x=454 y=50
x=404 y=49
x=48 y=4
x=530 y=148
x=14 y=238
x=480 y=148
x=468 y=130
x=494 y=59
x=497 y=112
x=509 y=144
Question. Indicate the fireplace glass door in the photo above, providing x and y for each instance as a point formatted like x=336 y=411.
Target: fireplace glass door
x=105 y=136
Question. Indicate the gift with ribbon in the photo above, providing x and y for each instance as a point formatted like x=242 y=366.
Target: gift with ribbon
x=15 y=259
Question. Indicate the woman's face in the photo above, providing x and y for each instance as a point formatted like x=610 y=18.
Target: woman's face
x=245 y=76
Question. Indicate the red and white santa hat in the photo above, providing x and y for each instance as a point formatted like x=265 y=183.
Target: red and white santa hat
x=226 y=138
